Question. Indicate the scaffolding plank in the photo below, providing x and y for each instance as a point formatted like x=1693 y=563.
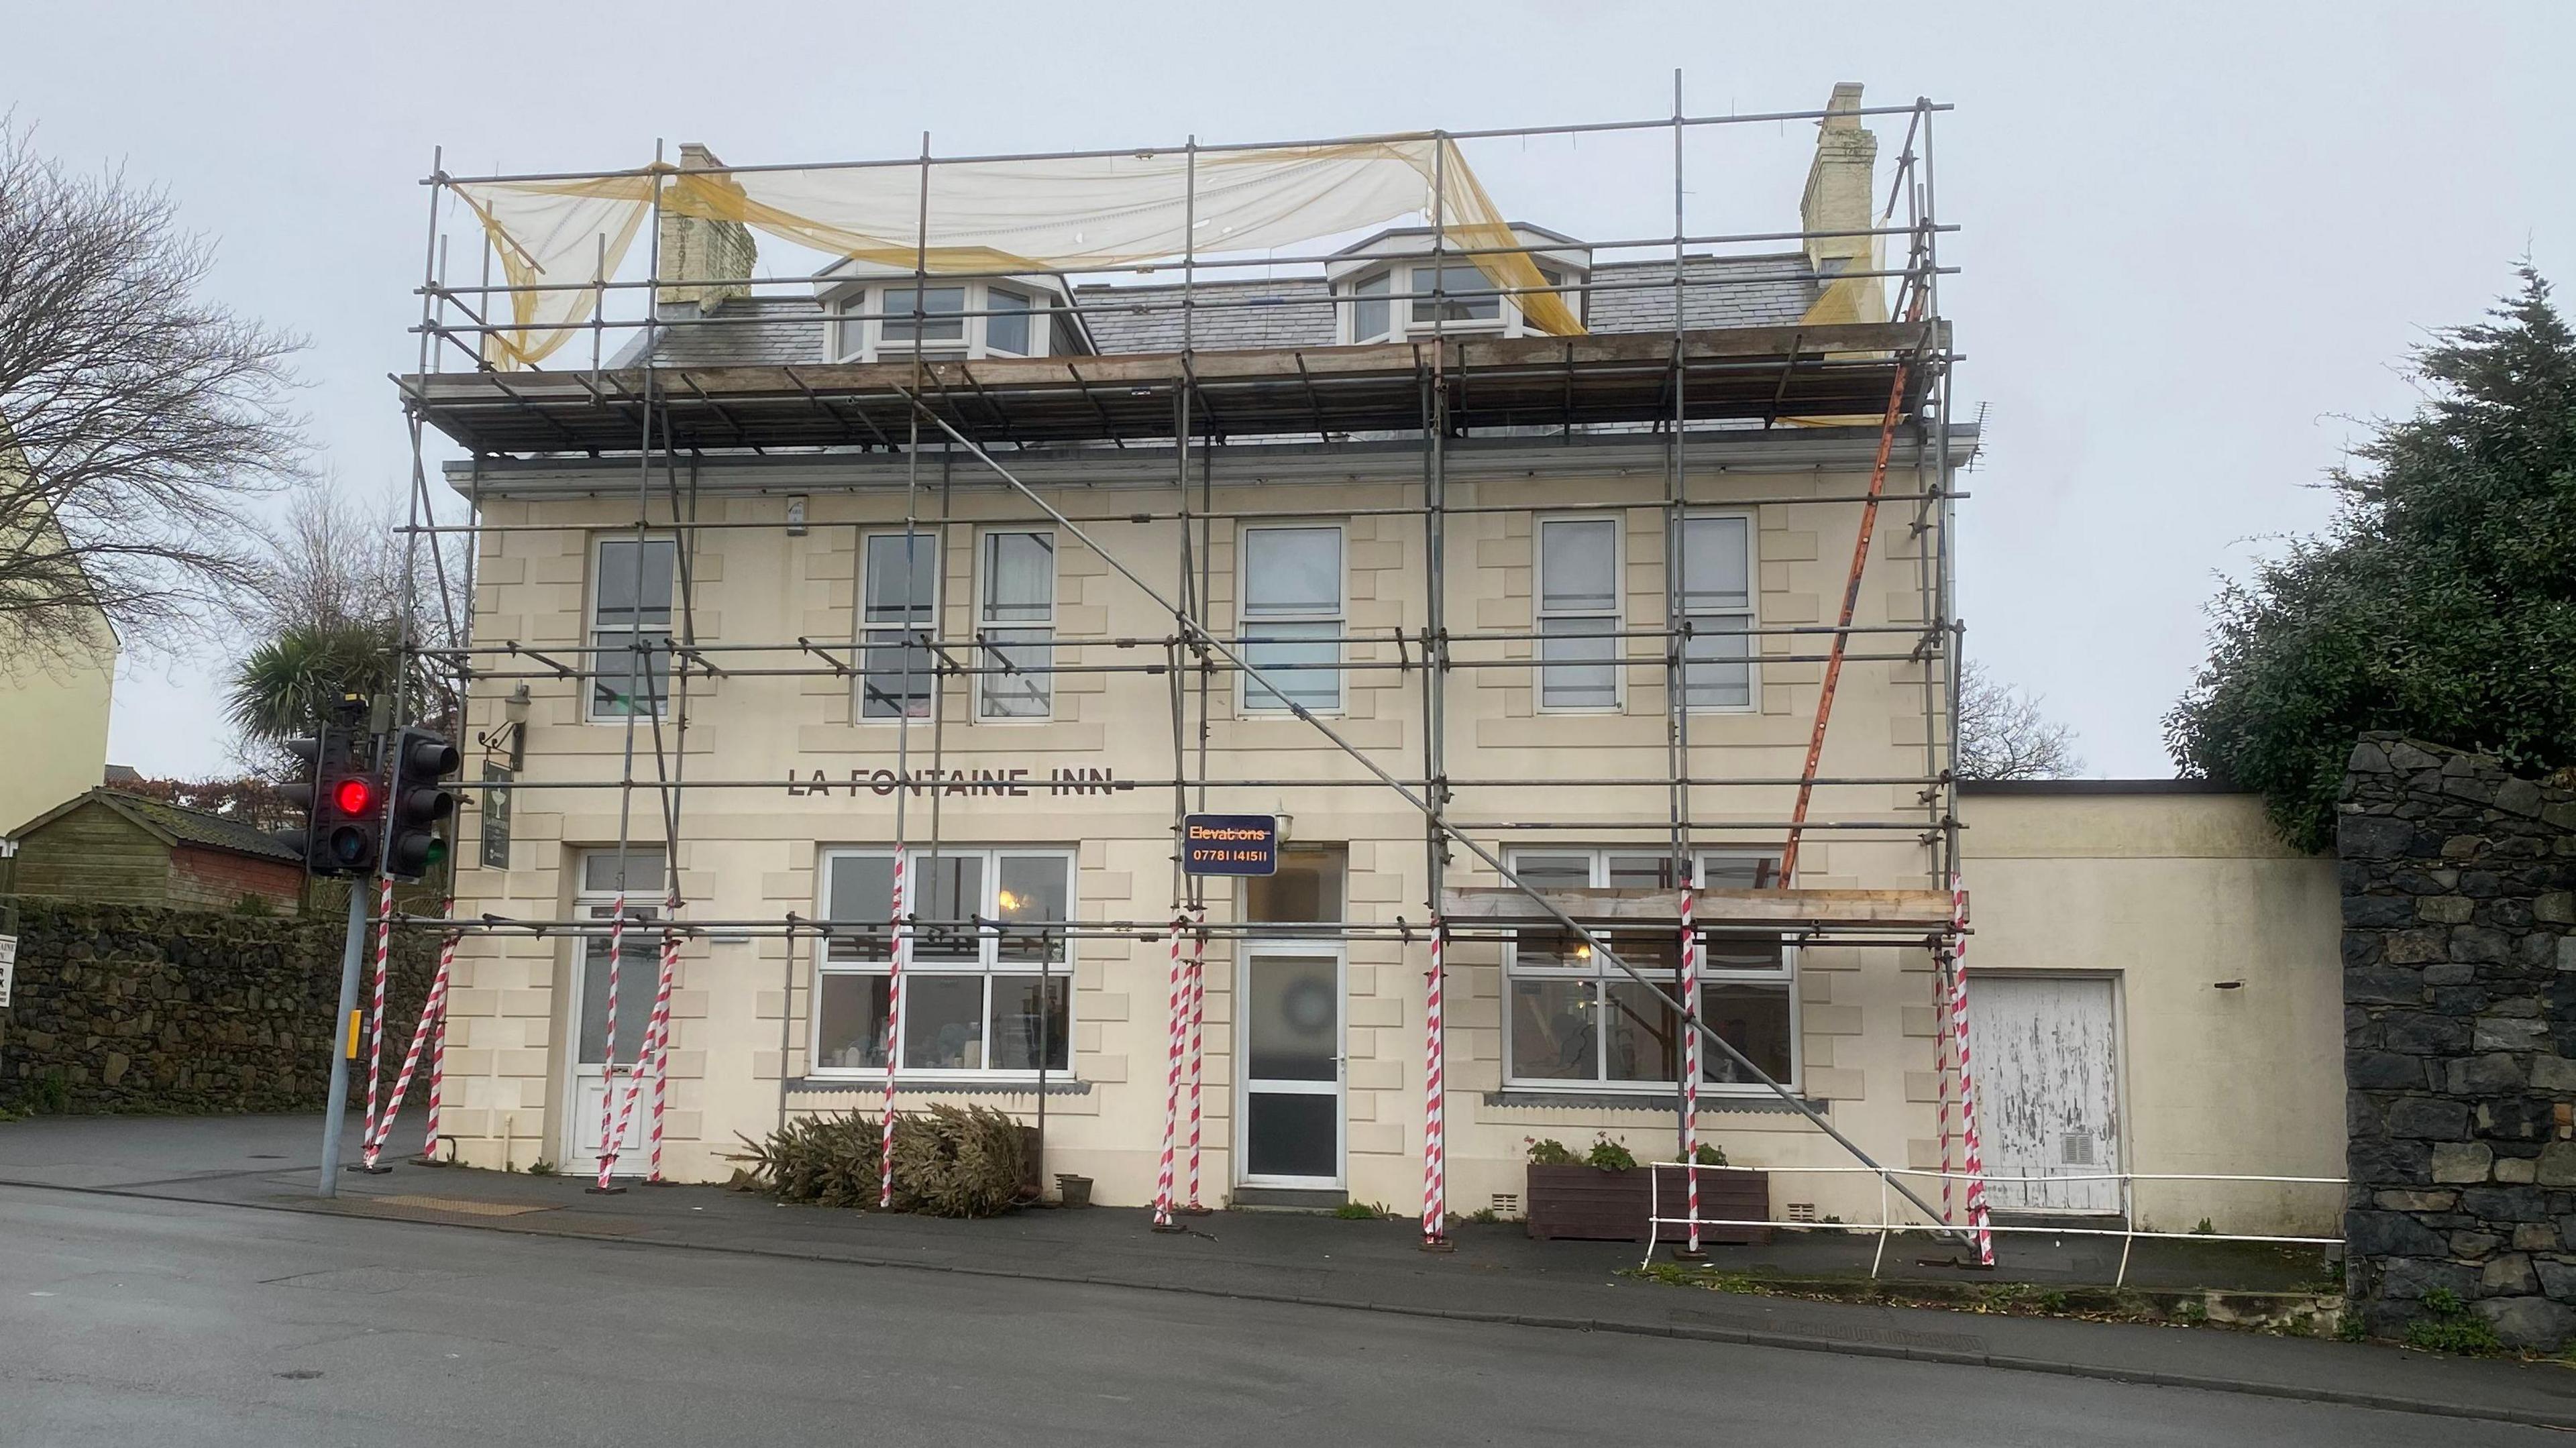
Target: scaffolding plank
x=1731 y=373
x=1877 y=909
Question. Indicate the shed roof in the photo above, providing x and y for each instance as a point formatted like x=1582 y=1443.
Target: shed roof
x=173 y=825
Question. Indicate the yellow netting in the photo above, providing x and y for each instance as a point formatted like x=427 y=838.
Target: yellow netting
x=1075 y=214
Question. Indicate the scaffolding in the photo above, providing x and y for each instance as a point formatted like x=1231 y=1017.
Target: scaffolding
x=1028 y=426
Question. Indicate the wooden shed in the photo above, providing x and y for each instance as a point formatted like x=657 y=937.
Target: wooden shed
x=108 y=846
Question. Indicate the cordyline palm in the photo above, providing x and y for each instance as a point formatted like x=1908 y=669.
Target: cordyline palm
x=284 y=686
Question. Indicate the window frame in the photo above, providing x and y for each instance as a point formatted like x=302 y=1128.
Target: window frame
x=1032 y=316
x=1599 y=975
x=988 y=966
x=1752 y=613
x=1393 y=274
x=1339 y=618
x=1355 y=297
x=592 y=629
x=937 y=541
x=1424 y=275
x=855 y=328
x=963 y=342
x=985 y=624
x=1617 y=522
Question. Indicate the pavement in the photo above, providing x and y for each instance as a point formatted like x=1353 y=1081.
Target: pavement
x=1366 y=1277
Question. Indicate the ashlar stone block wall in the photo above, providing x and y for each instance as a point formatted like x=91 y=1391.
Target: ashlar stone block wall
x=2459 y=896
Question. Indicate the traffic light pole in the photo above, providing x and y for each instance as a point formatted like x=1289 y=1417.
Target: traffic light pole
x=336 y=1115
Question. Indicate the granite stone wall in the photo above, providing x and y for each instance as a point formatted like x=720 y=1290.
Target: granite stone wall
x=2459 y=897
x=133 y=1008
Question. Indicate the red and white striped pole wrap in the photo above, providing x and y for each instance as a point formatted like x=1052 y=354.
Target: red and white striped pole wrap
x=1198 y=1052
x=1435 y=1093
x=438 y=1042
x=656 y=1026
x=662 y=1046
x=1976 y=1163
x=894 y=1027
x=373 y=1126
x=1690 y=1060
x=432 y=1007
x=1941 y=1074
x=1175 y=1039
x=608 y=1042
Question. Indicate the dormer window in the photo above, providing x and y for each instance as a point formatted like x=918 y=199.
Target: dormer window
x=1394 y=287
x=937 y=320
x=1457 y=292
x=873 y=321
x=1006 y=327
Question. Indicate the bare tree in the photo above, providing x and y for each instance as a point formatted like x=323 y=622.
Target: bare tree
x=139 y=423
x=337 y=594
x=2003 y=735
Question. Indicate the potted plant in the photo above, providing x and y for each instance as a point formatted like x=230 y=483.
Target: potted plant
x=1605 y=1196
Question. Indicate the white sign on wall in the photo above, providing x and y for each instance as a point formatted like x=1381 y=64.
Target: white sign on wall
x=8 y=967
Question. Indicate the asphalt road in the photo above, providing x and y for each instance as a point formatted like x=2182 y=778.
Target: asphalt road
x=125 y=1321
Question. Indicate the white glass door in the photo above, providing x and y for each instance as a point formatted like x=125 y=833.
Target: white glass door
x=638 y=967
x=1289 y=1121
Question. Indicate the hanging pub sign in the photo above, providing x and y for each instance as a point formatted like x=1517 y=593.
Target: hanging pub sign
x=1215 y=844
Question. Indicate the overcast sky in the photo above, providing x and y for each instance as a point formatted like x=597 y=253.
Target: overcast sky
x=2197 y=240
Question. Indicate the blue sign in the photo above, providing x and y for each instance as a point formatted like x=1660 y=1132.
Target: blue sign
x=1214 y=844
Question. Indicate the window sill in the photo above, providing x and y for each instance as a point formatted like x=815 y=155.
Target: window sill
x=1710 y=1103
x=872 y=1086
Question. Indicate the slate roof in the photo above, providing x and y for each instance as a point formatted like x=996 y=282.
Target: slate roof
x=1758 y=291
x=173 y=825
x=1295 y=312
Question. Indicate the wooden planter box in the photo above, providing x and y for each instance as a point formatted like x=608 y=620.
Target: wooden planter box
x=1585 y=1203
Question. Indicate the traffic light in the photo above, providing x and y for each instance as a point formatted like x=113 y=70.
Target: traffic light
x=343 y=807
x=421 y=759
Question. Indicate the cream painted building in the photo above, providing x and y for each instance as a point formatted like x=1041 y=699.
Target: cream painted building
x=54 y=713
x=2164 y=931
x=53 y=716
x=922 y=564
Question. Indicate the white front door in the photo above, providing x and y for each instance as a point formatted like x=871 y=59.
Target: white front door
x=638 y=967
x=1289 y=1121
x=2048 y=1092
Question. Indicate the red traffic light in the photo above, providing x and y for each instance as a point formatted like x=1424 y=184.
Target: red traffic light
x=353 y=797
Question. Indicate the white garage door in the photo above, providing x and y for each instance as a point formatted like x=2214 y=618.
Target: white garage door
x=2048 y=1089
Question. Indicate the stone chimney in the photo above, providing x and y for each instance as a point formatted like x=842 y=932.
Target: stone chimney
x=703 y=262
x=1841 y=191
